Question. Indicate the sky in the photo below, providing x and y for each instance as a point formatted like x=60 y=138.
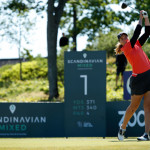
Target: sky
x=38 y=39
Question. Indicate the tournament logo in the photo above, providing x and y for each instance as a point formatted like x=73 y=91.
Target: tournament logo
x=84 y=55
x=12 y=108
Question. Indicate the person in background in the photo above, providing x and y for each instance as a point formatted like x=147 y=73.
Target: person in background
x=121 y=63
x=63 y=40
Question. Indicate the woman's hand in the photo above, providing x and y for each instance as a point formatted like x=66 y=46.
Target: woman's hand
x=141 y=17
x=141 y=14
x=145 y=14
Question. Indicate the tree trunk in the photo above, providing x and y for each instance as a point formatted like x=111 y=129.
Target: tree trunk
x=54 y=15
x=52 y=60
x=74 y=28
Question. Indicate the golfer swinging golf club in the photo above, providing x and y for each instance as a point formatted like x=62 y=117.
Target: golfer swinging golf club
x=140 y=79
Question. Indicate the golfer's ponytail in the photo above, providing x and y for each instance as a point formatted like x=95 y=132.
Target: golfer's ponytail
x=118 y=48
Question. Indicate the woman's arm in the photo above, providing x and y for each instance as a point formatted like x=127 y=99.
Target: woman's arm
x=145 y=36
x=137 y=31
x=147 y=21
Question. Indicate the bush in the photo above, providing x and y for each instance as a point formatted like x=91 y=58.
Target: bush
x=35 y=85
x=30 y=70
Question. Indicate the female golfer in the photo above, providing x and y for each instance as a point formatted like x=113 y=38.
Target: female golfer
x=140 y=79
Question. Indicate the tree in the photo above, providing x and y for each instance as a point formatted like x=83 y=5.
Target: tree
x=95 y=18
x=131 y=16
x=92 y=16
x=139 y=5
x=26 y=54
x=55 y=11
x=16 y=14
x=105 y=41
x=16 y=22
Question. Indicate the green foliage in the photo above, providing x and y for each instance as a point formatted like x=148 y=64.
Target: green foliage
x=30 y=70
x=34 y=86
x=105 y=41
x=146 y=48
x=17 y=5
x=60 y=64
x=139 y=5
x=22 y=21
x=23 y=6
x=4 y=68
x=26 y=54
x=92 y=16
x=113 y=93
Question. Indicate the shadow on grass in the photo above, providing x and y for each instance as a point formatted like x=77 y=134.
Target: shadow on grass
x=5 y=84
x=129 y=140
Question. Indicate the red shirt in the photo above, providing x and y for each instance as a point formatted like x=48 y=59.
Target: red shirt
x=136 y=57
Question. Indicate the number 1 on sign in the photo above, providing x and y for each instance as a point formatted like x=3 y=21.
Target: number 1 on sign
x=85 y=83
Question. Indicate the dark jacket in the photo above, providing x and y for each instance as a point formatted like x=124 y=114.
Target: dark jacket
x=121 y=60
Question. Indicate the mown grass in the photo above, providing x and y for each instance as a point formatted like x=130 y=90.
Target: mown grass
x=73 y=144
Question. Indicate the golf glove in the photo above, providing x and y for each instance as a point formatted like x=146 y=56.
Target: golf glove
x=144 y=13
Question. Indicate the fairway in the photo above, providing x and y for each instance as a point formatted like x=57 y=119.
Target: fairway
x=72 y=144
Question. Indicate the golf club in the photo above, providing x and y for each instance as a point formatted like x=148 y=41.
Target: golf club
x=124 y=5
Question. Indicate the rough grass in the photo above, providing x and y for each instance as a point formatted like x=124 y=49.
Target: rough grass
x=34 y=90
x=72 y=144
x=113 y=93
x=25 y=91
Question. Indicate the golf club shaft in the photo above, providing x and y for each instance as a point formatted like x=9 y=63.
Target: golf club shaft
x=134 y=9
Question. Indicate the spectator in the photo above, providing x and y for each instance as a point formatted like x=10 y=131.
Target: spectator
x=121 y=63
x=63 y=40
